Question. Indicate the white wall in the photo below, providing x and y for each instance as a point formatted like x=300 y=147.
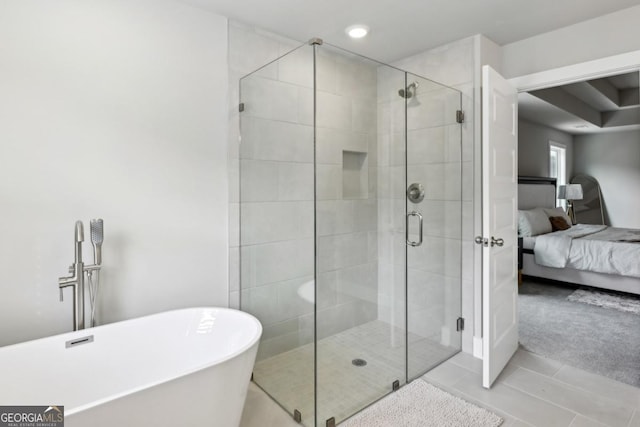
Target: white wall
x=600 y=37
x=533 y=148
x=614 y=160
x=112 y=109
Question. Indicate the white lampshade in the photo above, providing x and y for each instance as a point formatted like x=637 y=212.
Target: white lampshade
x=570 y=192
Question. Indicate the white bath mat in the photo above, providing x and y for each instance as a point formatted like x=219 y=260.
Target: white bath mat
x=419 y=404
x=627 y=304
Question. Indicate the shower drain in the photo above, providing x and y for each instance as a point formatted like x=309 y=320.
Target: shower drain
x=359 y=362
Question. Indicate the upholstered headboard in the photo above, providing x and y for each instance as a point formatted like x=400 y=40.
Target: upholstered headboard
x=536 y=192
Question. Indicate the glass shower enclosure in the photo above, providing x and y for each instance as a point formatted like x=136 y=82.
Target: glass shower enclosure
x=350 y=228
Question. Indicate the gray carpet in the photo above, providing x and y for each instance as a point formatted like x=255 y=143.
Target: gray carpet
x=627 y=303
x=600 y=340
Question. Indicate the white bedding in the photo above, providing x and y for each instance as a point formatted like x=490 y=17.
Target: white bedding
x=587 y=247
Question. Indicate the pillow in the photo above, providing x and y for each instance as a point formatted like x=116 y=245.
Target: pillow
x=558 y=212
x=533 y=222
x=558 y=223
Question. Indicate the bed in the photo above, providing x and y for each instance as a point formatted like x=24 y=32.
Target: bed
x=593 y=255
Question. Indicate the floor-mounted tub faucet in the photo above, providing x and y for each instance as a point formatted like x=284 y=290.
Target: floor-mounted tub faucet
x=76 y=280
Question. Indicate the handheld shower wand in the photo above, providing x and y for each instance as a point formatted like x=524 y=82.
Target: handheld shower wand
x=97 y=236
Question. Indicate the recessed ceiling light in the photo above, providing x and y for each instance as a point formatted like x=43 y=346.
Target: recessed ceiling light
x=357 y=31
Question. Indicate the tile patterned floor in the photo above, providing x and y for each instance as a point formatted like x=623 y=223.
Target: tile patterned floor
x=532 y=391
x=342 y=387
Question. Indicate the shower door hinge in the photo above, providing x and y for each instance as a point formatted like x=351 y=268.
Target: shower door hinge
x=460 y=324
x=395 y=386
x=297 y=416
x=460 y=116
x=241 y=107
x=331 y=422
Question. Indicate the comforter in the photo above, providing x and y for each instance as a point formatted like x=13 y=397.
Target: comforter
x=598 y=248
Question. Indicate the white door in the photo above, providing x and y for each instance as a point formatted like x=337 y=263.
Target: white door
x=499 y=224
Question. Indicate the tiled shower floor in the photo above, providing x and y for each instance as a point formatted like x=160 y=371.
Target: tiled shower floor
x=343 y=388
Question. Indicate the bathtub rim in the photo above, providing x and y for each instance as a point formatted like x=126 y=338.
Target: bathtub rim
x=254 y=341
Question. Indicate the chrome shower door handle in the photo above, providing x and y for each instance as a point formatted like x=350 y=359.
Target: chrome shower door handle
x=419 y=242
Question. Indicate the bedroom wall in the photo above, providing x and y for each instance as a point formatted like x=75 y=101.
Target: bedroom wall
x=614 y=160
x=533 y=148
x=593 y=39
x=111 y=109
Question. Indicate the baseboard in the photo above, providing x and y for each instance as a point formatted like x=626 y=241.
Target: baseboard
x=477 y=347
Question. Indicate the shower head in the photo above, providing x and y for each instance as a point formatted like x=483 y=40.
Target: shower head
x=409 y=91
x=97 y=236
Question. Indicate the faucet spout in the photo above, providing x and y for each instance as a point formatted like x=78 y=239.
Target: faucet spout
x=79 y=238
x=76 y=280
x=79 y=232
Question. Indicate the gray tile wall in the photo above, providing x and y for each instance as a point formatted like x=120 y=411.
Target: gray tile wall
x=276 y=159
x=360 y=239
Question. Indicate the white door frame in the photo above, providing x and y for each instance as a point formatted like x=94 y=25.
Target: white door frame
x=611 y=65
x=602 y=67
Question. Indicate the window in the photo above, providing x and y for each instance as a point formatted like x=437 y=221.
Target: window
x=558 y=166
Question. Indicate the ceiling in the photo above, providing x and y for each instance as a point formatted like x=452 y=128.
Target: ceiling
x=400 y=28
x=601 y=105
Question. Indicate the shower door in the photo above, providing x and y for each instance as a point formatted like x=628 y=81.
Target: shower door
x=434 y=223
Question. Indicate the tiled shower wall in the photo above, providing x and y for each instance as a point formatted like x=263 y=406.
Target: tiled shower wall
x=339 y=231
x=249 y=49
x=346 y=191
x=276 y=195
x=276 y=159
x=277 y=164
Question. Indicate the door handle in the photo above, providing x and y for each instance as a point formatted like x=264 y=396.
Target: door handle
x=481 y=241
x=496 y=242
x=419 y=242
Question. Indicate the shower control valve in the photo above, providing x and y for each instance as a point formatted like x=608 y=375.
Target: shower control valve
x=415 y=192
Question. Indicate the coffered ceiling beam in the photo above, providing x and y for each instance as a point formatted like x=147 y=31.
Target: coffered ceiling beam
x=606 y=91
x=626 y=117
x=629 y=97
x=570 y=104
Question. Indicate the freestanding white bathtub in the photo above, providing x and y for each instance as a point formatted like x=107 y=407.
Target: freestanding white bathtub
x=188 y=367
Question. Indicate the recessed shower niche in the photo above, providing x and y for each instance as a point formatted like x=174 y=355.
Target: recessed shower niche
x=355 y=175
x=330 y=142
